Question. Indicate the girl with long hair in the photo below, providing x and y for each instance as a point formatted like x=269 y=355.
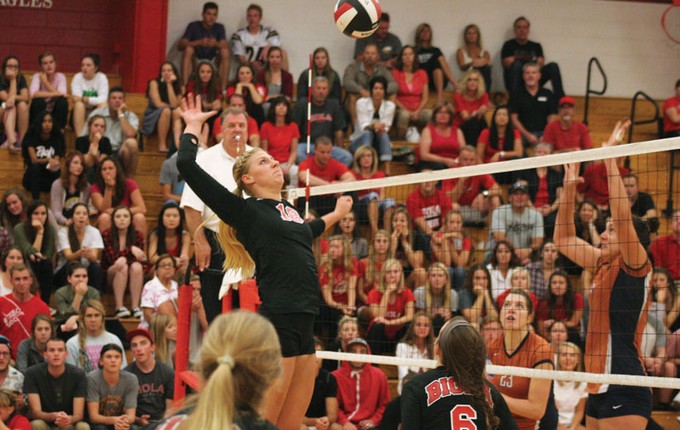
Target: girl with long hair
x=253 y=93
x=13 y=208
x=472 y=103
x=476 y=302
x=204 y=81
x=85 y=348
x=279 y=137
x=266 y=231
x=369 y=267
x=43 y=150
x=347 y=227
x=473 y=56
x=618 y=299
x=436 y=298
x=9 y=257
x=338 y=279
x=15 y=98
x=451 y=247
x=500 y=141
x=391 y=305
x=164 y=94
x=321 y=66
x=31 y=350
x=170 y=237
x=37 y=240
x=69 y=189
x=89 y=88
x=124 y=261
x=112 y=189
x=401 y=246
x=666 y=300
x=277 y=81
x=348 y=329
x=432 y=60
x=413 y=93
x=94 y=146
x=82 y=243
x=519 y=346
x=239 y=362
x=570 y=397
x=163 y=329
x=562 y=304
x=371 y=203
x=503 y=261
x=418 y=343
x=475 y=404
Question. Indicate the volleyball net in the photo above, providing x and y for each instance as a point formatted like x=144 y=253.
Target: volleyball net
x=436 y=203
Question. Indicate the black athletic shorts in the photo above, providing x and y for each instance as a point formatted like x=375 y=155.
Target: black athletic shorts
x=620 y=401
x=296 y=333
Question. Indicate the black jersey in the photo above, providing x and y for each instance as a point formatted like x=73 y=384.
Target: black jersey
x=273 y=233
x=433 y=401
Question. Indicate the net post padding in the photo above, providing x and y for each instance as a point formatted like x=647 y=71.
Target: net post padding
x=628 y=380
x=632 y=149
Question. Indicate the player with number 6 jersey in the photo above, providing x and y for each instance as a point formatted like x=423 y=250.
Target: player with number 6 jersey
x=456 y=395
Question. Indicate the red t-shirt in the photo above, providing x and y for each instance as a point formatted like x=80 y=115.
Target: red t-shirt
x=18 y=422
x=463 y=104
x=471 y=187
x=577 y=136
x=279 y=139
x=340 y=286
x=16 y=318
x=560 y=311
x=666 y=252
x=432 y=208
x=667 y=124
x=130 y=187
x=594 y=184
x=331 y=172
x=444 y=146
x=488 y=150
x=362 y=193
x=395 y=309
x=410 y=94
x=542 y=195
x=252 y=127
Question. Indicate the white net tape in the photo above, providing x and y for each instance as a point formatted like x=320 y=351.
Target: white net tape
x=629 y=380
x=638 y=148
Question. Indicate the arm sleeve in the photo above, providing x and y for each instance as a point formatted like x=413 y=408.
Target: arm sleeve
x=287 y=84
x=57 y=201
x=77 y=86
x=61 y=84
x=237 y=46
x=35 y=84
x=22 y=365
x=102 y=90
x=392 y=86
x=226 y=205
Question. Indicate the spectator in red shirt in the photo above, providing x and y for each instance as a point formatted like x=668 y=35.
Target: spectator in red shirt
x=477 y=196
x=671 y=114
x=565 y=134
x=323 y=170
x=427 y=207
x=666 y=249
x=594 y=185
x=280 y=136
x=472 y=103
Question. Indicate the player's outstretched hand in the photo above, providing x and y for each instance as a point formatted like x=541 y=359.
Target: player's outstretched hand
x=193 y=114
x=618 y=134
x=343 y=205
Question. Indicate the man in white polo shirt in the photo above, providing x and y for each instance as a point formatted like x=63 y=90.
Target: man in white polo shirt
x=218 y=161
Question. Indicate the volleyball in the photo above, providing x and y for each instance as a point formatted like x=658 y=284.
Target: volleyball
x=357 y=18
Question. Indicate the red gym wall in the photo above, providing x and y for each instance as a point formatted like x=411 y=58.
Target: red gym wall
x=129 y=35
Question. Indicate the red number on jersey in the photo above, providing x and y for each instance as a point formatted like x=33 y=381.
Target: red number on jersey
x=289 y=214
x=462 y=416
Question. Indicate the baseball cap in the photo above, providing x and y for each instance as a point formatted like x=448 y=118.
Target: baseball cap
x=138 y=332
x=567 y=100
x=518 y=186
x=5 y=341
x=357 y=341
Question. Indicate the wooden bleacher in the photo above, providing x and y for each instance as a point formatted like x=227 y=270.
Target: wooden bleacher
x=604 y=112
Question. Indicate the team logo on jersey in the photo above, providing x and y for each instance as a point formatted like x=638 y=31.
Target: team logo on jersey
x=289 y=214
x=442 y=387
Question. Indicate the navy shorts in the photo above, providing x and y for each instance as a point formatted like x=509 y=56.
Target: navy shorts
x=296 y=333
x=620 y=401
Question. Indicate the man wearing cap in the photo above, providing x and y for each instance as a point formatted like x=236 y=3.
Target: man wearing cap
x=156 y=389
x=362 y=391
x=18 y=309
x=565 y=134
x=517 y=223
x=10 y=377
x=56 y=391
x=532 y=107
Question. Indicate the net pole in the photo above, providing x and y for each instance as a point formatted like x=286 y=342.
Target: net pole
x=309 y=133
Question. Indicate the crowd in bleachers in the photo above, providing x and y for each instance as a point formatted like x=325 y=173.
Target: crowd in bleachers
x=392 y=274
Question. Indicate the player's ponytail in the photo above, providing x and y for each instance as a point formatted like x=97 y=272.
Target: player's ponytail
x=240 y=359
x=463 y=354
